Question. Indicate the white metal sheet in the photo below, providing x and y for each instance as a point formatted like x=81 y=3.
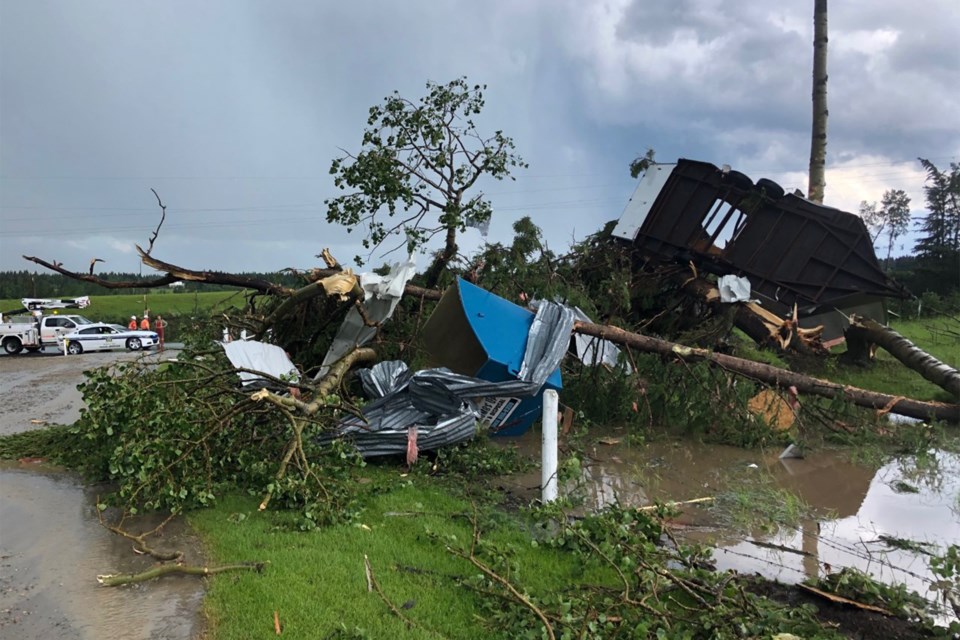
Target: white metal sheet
x=642 y=201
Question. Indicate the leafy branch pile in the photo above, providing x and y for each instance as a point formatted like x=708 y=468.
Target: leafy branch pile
x=177 y=436
x=638 y=582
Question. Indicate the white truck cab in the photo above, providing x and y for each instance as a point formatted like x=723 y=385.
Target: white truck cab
x=36 y=332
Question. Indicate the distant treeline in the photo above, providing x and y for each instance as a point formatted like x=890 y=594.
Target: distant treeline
x=27 y=284
x=919 y=275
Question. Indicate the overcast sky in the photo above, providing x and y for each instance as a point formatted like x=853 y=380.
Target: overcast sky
x=233 y=111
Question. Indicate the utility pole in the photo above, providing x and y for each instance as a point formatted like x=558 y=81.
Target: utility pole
x=818 y=135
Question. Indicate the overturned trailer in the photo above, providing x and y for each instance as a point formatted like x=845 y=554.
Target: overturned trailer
x=793 y=251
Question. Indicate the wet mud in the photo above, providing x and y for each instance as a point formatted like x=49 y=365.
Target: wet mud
x=52 y=546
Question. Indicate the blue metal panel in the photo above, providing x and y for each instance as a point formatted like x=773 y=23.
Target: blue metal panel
x=520 y=421
x=500 y=326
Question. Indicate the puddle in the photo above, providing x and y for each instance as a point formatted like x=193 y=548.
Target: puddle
x=51 y=550
x=853 y=505
x=814 y=548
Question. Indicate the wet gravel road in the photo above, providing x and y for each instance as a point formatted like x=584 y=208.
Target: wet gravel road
x=51 y=544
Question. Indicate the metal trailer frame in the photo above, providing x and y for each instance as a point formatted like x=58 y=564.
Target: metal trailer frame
x=793 y=251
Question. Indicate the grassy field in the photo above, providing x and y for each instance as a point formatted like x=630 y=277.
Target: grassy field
x=119 y=308
x=316 y=581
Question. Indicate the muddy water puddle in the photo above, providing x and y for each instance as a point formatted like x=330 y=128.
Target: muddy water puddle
x=854 y=512
x=51 y=550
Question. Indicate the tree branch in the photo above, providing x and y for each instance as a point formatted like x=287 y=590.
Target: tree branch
x=163 y=216
x=213 y=277
x=150 y=283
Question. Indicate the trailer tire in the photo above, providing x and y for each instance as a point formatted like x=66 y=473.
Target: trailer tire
x=770 y=188
x=738 y=180
x=74 y=348
x=12 y=346
x=134 y=344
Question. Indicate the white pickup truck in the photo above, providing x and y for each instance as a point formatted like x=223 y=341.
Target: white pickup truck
x=34 y=333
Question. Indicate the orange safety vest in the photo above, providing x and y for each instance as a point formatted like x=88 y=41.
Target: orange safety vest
x=145 y=324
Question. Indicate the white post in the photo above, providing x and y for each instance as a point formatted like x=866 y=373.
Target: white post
x=65 y=341
x=548 y=451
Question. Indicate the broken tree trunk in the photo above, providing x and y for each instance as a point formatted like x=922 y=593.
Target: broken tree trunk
x=765 y=328
x=864 y=332
x=776 y=376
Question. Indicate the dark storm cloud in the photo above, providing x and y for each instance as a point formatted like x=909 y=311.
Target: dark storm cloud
x=234 y=110
x=746 y=66
x=238 y=109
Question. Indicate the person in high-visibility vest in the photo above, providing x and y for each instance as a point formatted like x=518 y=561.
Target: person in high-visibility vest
x=133 y=323
x=158 y=325
x=145 y=323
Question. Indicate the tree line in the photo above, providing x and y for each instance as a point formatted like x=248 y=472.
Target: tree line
x=935 y=262
x=29 y=284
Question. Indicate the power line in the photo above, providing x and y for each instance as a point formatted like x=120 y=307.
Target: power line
x=232 y=223
x=519 y=175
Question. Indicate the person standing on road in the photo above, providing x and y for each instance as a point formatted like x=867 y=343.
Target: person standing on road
x=159 y=325
x=145 y=323
x=133 y=323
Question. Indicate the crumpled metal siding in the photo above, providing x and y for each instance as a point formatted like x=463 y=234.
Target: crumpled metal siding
x=438 y=402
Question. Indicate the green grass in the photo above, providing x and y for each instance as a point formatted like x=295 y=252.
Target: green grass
x=758 y=504
x=316 y=580
x=119 y=308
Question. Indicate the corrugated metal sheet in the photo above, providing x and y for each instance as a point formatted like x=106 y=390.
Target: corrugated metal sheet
x=441 y=404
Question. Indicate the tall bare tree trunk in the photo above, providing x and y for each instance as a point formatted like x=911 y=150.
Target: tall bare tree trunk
x=818 y=137
x=432 y=274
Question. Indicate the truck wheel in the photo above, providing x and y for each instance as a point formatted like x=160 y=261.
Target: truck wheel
x=74 y=348
x=12 y=346
x=134 y=344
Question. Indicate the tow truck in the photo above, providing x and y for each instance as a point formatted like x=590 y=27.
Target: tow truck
x=33 y=330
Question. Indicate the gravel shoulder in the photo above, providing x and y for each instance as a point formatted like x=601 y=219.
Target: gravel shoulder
x=41 y=388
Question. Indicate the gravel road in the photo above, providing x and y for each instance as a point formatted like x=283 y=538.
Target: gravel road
x=43 y=386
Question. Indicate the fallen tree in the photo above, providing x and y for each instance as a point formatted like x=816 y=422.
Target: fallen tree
x=705 y=290
x=174 y=273
x=777 y=376
x=864 y=334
